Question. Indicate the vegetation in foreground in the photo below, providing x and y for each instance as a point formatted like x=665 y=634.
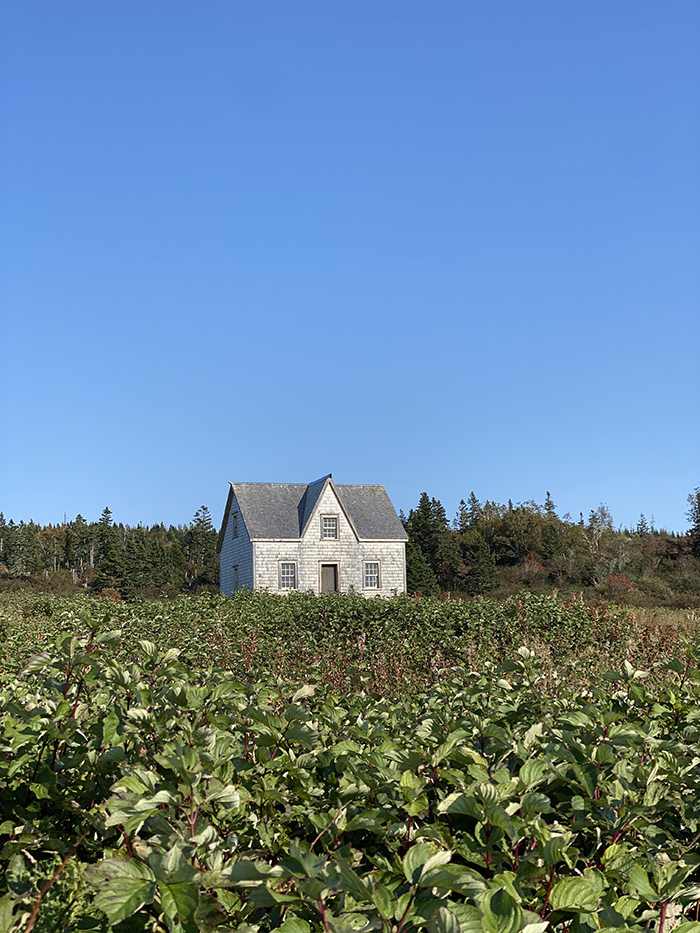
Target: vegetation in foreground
x=389 y=646
x=178 y=782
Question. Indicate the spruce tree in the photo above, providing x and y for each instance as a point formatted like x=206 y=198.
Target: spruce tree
x=481 y=571
x=201 y=548
x=26 y=558
x=475 y=511
x=419 y=577
x=137 y=572
x=176 y=563
x=425 y=526
x=552 y=542
x=81 y=544
x=9 y=546
x=5 y=541
x=550 y=510
x=429 y=531
x=110 y=566
x=157 y=560
x=110 y=555
x=693 y=516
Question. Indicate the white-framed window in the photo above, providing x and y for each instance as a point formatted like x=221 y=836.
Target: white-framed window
x=329 y=527
x=372 y=575
x=234 y=524
x=235 y=577
x=288 y=575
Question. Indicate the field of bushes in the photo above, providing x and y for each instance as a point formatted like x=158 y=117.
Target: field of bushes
x=339 y=764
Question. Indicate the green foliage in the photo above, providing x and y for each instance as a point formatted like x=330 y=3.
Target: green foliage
x=430 y=537
x=490 y=548
x=401 y=644
x=481 y=571
x=105 y=556
x=420 y=578
x=143 y=790
x=200 y=548
x=693 y=516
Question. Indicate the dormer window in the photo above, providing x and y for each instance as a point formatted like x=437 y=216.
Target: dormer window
x=329 y=527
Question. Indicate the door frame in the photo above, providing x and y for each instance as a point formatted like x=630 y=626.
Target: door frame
x=328 y=563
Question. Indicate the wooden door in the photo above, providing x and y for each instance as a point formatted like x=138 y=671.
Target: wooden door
x=329 y=578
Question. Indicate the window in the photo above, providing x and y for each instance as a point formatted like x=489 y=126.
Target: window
x=329 y=527
x=372 y=576
x=234 y=525
x=288 y=576
x=235 y=577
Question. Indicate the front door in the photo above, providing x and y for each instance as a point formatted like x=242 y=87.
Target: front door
x=329 y=578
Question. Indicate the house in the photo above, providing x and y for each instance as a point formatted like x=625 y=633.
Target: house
x=321 y=537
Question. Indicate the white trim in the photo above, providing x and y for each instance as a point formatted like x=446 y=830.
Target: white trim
x=377 y=588
x=335 y=516
x=329 y=563
x=287 y=563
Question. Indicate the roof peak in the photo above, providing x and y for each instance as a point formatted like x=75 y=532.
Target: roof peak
x=322 y=479
x=315 y=482
x=284 y=510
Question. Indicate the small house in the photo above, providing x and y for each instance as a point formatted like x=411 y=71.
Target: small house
x=319 y=537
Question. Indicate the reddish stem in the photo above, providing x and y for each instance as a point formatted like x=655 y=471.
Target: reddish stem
x=322 y=911
x=57 y=873
x=126 y=840
x=549 y=888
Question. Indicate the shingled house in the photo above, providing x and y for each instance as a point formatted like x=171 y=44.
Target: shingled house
x=322 y=537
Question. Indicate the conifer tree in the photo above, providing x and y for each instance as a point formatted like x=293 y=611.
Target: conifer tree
x=81 y=544
x=201 y=548
x=550 y=510
x=110 y=555
x=26 y=559
x=5 y=541
x=475 y=511
x=552 y=540
x=428 y=529
x=176 y=563
x=137 y=572
x=482 y=573
x=419 y=577
x=426 y=525
x=693 y=516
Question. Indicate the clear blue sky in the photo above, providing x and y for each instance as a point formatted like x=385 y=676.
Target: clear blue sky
x=443 y=246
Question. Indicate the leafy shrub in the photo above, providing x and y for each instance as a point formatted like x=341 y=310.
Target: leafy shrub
x=142 y=790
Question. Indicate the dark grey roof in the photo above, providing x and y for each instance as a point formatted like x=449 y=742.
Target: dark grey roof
x=270 y=510
x=283 y=510
x=311 y=496
x=372 y=513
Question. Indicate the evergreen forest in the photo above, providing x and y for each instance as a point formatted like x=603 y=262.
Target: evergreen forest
x=105 y=556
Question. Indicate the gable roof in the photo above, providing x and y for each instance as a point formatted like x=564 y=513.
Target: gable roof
x=283 y=510
x=372 y=513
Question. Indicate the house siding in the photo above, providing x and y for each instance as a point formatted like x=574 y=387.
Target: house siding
x=311 y=551
x=236 y=552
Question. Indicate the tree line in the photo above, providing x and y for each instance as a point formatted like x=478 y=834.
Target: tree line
x=493 y=547
x=103 y=555
x=487 y=548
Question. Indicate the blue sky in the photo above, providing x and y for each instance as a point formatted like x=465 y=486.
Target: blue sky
x=444 y=247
